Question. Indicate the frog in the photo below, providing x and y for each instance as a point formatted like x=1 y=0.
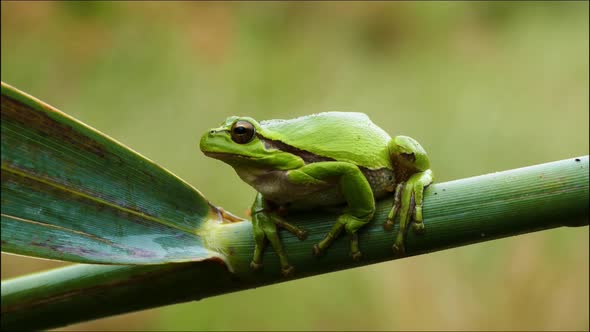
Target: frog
x=320 y=161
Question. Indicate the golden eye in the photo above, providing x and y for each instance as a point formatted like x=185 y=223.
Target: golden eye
x=242 y=132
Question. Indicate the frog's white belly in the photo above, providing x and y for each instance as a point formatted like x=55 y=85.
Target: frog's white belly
x=275 y=186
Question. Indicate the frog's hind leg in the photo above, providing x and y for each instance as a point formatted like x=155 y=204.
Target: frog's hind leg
x=356 y=191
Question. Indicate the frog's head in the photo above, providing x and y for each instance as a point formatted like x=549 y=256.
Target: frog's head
x=243 y=142
x=409 y=153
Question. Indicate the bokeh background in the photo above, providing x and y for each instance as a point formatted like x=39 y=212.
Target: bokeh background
x=483 y=86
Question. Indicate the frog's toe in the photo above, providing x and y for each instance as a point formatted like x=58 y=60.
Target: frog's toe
x=388 y=225
x=356 y=256
x=398 y=249
x=287 y=271
x=302 y=235
x=255 y=266
x=316 y=250
x=418 y=227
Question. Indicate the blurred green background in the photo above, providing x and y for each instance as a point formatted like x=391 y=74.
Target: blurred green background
x=483 y=86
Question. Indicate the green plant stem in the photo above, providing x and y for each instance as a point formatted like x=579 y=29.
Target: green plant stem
x=456 y=213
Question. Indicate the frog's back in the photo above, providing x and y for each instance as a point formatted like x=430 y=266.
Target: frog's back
x=343 y=136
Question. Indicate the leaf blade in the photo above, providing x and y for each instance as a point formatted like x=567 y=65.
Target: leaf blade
x=72 y=193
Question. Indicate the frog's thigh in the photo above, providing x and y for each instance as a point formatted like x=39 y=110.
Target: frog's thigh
x=352 y=183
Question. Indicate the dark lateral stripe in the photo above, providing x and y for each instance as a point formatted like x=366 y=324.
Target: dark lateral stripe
x=308 y=157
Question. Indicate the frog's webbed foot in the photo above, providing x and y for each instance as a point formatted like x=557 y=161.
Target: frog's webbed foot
x=255 y=266
x=287 y=271
x=319 y=249
x=398 y=250
x=349 y=223
x=302 y=235
x=355 y=253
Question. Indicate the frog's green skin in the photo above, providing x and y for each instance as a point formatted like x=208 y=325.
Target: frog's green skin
x=319 y=160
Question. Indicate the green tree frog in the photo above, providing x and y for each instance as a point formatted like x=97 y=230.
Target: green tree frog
x=319 y=160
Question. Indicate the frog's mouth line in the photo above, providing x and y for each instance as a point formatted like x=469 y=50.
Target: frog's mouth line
x=226 y=155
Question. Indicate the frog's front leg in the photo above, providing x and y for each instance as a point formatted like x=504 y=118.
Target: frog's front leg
x=356 y=191
x=412 y=168
x=264 y=227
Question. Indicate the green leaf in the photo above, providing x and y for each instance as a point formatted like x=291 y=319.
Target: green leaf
x=71 y=193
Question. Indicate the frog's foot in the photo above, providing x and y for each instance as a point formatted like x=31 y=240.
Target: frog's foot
x=398 y=249
x=388 y=225
x=356 y=256
x=302 y=235
x=287 y=271
x=319 y=248
x=418 y=225
x=255 y=266
x=355 y=253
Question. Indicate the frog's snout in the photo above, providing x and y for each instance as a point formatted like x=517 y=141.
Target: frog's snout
x=211 y=139
x=203 y=142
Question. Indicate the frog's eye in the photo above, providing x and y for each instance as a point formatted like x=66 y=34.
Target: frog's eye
x=242 y=132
